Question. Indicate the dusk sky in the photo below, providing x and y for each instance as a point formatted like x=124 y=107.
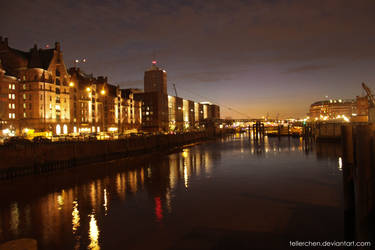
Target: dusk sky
x=253 y=57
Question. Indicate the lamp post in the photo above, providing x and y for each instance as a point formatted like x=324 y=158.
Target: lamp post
x=71 y=85
x=44 y=105
x=102 y=93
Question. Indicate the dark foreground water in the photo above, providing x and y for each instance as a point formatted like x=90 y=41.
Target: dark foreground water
x=226 y=194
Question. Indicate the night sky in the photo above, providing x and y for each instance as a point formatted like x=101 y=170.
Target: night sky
x=251 y=56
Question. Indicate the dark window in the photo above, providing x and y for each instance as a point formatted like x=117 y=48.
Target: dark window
x=57 y=81
x=57 y=90
x=57 y=72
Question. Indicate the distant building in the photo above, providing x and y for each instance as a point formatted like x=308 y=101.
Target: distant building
x=162 y=112
x=333 y=109
x=154 y=100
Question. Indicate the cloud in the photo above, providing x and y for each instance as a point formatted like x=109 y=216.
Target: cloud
x=200 y=41
x=310 y=67
x=131 y=84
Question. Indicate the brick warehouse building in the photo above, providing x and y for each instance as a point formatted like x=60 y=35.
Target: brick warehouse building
x=38 y=93
x=42 y=87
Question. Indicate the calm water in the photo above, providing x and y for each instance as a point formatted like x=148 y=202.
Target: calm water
x=226 y=194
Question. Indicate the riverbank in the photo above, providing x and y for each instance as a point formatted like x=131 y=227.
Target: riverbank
x=28 y=159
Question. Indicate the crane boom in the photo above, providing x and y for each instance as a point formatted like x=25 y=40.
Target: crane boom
x=369 y=94
x=175 y=90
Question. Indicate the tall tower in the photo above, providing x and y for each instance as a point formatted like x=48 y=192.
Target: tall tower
x=155 y=80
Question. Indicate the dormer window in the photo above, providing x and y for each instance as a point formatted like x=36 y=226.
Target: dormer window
x=57 y=72
x=57 y=81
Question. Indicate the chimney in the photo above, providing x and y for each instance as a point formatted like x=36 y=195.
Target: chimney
x=57 y=46
x=6 y=41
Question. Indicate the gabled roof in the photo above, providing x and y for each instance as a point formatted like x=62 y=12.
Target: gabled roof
x=14 y=60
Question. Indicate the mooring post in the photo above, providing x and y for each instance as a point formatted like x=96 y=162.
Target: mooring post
x=347 y=164
x=364 y=182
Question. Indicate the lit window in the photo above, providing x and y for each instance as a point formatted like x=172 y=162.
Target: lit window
x=13 y=115
x=24 y=114
x=13 y=106
x=24 y=86
x=10 y=115
x=13 y=96
x=10 y=86
x=10 y=105
x=14 y=86
x=10 y=96
x=24 y=96
x=24 y=105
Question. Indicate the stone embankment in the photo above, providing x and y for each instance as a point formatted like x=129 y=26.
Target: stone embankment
x=34 y=158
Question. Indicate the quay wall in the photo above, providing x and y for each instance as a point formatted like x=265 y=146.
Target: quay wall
x=33 y=158
x=326 y=131
x=358 y=165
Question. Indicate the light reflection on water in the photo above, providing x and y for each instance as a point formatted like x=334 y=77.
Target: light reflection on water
x=93 y=233
x=135 y=189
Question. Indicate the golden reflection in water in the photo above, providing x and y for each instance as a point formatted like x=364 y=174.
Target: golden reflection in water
x=60 y=199
x=93 y=194
x=197 y=163
x=120 y=185
x=186 y=177
x=132 y=175
x=93 y=233
x=207 y=162
x=173 y=172
x=340 y=163
x=142 y=177
x=14 y=218
x=300 y=144
x=105 y=204
x=75 y=217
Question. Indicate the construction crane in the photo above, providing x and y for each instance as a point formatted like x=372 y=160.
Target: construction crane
x=175 y=90
x=369 y=95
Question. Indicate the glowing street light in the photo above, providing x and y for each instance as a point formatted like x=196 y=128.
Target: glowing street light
x=102 y=92
x=71 y=84
x=88 y=89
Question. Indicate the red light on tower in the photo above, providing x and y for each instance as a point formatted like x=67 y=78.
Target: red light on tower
x=153 y=62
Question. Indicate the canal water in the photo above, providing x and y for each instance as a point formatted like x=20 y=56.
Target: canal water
x=232 y=193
